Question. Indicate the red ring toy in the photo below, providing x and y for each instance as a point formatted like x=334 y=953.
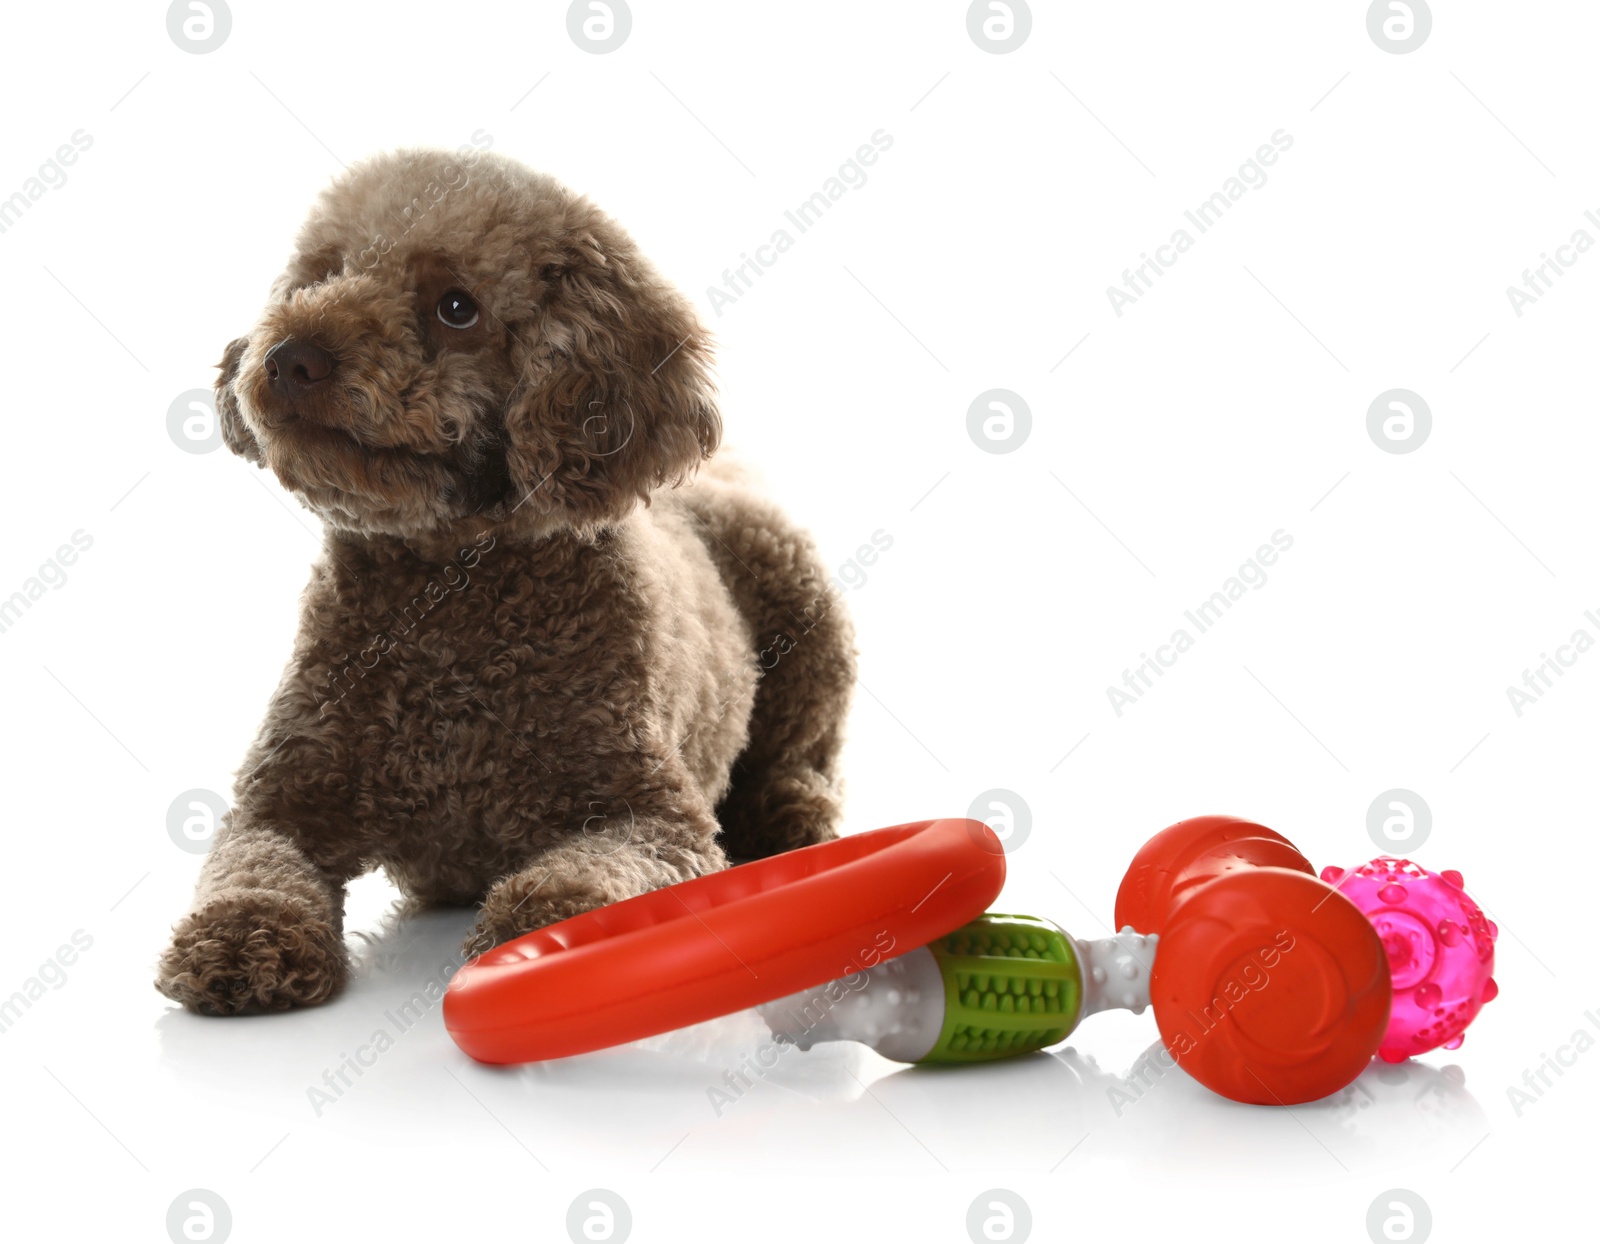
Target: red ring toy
x=723 y=942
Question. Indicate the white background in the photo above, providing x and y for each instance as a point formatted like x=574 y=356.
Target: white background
x=1223 y=406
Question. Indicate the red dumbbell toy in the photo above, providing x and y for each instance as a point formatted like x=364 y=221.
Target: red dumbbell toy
x=1268 y=985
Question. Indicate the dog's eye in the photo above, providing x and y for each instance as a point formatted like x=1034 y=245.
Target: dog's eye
x=457 y=310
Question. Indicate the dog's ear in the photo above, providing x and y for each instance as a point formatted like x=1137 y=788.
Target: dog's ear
x=235 y=434
x=617 y=396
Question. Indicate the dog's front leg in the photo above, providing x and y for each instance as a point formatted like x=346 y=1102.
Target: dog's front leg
x=266 y=929
x=615 y=855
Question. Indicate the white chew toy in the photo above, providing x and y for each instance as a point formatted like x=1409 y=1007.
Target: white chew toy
x=898 y=1007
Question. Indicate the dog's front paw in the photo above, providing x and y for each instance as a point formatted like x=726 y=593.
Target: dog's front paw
x=578 y=877
x=543 y=895
x=253 y=951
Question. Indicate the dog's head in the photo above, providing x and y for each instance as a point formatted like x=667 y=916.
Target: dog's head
x=459 y=338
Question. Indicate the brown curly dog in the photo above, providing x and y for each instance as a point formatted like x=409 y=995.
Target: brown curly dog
x=536 y=669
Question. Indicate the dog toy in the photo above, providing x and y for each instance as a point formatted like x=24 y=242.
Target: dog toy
x=1440 y=948
x=722 y=942
x=1269 y=985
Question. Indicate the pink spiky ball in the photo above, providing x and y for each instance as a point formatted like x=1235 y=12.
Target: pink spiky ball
x=1440 y=947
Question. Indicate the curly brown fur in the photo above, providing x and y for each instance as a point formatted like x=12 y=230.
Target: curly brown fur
x=536 y=664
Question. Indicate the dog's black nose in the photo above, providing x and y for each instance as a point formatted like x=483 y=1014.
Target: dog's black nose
x=295 y=366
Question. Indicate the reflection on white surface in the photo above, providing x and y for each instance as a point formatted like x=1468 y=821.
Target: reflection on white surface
x=377 y=1061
